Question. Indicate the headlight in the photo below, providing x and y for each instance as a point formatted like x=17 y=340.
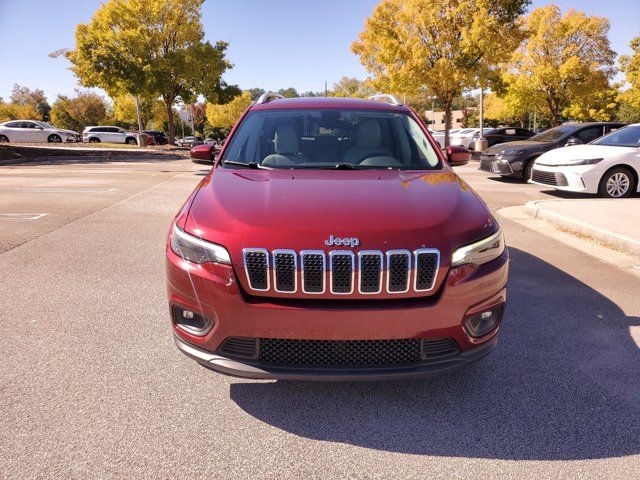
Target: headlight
x=512 y=153
x=197 y=250
x=480 y=252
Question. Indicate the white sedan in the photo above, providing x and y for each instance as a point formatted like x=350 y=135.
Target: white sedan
x=32 y=131
x=464 y=137
x=608 y=166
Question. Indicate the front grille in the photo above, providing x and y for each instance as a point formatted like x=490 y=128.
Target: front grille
x=256 y=263
x=549 y=178
x=313 y=267
x=399 y=265
x=370 y=269
x=341 y=264
x=281 y=352
x=488 y=163
x=397 y=270
x=426 y=269
x=339 y=353
x=285 y=270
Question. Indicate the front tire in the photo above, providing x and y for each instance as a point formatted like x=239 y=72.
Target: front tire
x=94 y=140
x=131 y=141
x=4 y=139
x=617 y=183
x=54 y=139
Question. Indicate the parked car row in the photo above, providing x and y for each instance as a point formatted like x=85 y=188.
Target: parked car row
x=31 y=131
x=467 y=137
x=600 y=158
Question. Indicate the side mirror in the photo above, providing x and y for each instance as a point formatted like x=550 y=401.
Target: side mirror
x=572 y=141
x=457 y=155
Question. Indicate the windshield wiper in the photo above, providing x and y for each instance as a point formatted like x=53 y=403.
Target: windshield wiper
x=348 y=166
x=252 y=165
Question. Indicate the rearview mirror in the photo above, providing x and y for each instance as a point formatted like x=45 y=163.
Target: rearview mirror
x=457 y=155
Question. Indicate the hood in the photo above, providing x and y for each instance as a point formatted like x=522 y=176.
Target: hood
x=565 y=155
x=300 y=209
x=518 y=145
x=69 y=132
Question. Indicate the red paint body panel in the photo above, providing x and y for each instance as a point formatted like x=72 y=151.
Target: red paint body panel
x=297 y=209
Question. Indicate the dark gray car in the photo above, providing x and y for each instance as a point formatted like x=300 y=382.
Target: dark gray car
x=515 y=159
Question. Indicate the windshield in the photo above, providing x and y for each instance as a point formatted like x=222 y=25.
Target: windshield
x=624 y=137
x=330 y=138
x=555 y=134
x=45 y=125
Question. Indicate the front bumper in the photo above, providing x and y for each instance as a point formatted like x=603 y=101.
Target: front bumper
x=492 y=164
x=237 y=368
x=580 y=178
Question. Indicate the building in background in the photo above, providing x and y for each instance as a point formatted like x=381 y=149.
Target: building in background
x=435 y=120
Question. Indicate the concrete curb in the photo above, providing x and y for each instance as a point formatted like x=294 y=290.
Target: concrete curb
x=98 y=157
x=536 y=209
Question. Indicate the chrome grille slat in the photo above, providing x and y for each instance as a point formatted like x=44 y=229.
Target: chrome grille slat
x=400 y=270
x=314 y=266
x=370 y=265
x=256 y=264
x=426 y=262
x=285 y=271
x=341 y=272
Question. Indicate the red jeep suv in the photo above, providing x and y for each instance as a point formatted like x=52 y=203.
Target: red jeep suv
x=332 y=240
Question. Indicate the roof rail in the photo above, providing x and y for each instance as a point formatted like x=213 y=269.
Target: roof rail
x=268 y=97
x=385 y=97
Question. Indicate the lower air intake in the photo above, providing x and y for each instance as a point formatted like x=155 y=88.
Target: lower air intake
x=339 y=353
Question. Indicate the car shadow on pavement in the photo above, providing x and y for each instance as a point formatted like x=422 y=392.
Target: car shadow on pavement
x=563 y=384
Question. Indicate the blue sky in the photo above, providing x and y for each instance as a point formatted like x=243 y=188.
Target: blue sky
x=273 y=44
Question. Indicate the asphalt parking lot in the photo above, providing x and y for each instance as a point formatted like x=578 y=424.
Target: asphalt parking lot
x=91 y=384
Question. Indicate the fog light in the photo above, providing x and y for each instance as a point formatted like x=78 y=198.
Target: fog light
x=479 y=324
x=192 y=322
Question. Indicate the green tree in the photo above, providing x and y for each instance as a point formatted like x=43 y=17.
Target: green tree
x=352 y=87
x=438 y=47
x=86 y=108
x=152 y=48
x=563 y=68
x=255 y=93
x=35 y=98
x=289 y=92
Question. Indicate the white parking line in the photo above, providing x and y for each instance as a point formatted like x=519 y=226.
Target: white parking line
x=22 y=216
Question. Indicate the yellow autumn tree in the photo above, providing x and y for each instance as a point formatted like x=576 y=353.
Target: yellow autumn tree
x=225 y=116
x=563 y=67
x=438 y=47
x=14 y=111
x=151 y=110
x=630 y=66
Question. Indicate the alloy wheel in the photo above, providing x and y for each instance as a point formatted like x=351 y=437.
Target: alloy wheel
x=618 y=185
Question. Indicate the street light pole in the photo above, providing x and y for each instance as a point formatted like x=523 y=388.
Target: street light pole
x=138 y=113
x=481 y=112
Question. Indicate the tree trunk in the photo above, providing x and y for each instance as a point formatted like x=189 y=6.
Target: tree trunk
x=447 y=122
x=172 y=128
